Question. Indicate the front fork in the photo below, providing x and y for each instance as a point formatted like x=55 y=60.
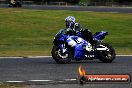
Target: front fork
x=62 y=48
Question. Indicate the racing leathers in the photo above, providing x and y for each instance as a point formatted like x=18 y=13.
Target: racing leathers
x=83 y=33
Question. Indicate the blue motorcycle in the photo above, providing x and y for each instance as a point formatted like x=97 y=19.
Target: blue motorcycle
x=70 y=47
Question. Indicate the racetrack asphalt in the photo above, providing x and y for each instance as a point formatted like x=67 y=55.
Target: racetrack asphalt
x=24 y=69
x=78 y=8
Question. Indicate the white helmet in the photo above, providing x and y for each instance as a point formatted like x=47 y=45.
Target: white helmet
x=70 y=21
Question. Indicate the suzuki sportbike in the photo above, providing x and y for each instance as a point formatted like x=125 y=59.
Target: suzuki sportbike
x=67 y=48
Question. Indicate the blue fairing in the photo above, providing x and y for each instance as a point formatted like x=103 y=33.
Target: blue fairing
x=60 y=35
x=78 y=48
x=79 y=51
x=100 y=35
x=79 y=34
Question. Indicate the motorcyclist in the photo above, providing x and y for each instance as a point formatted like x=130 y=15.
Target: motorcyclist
x=74 y=28
x=14 y=3
x=71 y=26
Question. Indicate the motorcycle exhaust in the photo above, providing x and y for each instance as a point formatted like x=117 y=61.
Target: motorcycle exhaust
x=102 y=49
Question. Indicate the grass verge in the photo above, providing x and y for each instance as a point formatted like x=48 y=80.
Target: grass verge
x=12 y=85
x=30 y=32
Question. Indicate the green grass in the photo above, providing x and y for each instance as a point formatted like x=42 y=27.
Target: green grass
x=12 y=85
x=30 y=32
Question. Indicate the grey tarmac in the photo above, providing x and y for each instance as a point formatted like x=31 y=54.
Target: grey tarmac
x=78 y=8
x=27 y=69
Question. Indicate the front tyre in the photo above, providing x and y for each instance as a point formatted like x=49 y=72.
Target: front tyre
x=61 y=58
x=108 y=55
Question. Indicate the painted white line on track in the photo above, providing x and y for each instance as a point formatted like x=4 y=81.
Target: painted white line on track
x=70 y=79
x=60 y=80
x=51 y=56
x=10 y=57
x=38 y=56
x=14 y=81
x=40 y=80
x=124 y=55
x=41 y=57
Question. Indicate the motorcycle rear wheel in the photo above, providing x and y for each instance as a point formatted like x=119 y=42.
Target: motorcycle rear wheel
x=107 y=56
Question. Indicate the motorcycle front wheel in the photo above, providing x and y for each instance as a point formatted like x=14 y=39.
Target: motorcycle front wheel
x=59 y=57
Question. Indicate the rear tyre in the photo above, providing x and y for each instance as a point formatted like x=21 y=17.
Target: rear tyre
x=59 y=57
x=107 y=56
